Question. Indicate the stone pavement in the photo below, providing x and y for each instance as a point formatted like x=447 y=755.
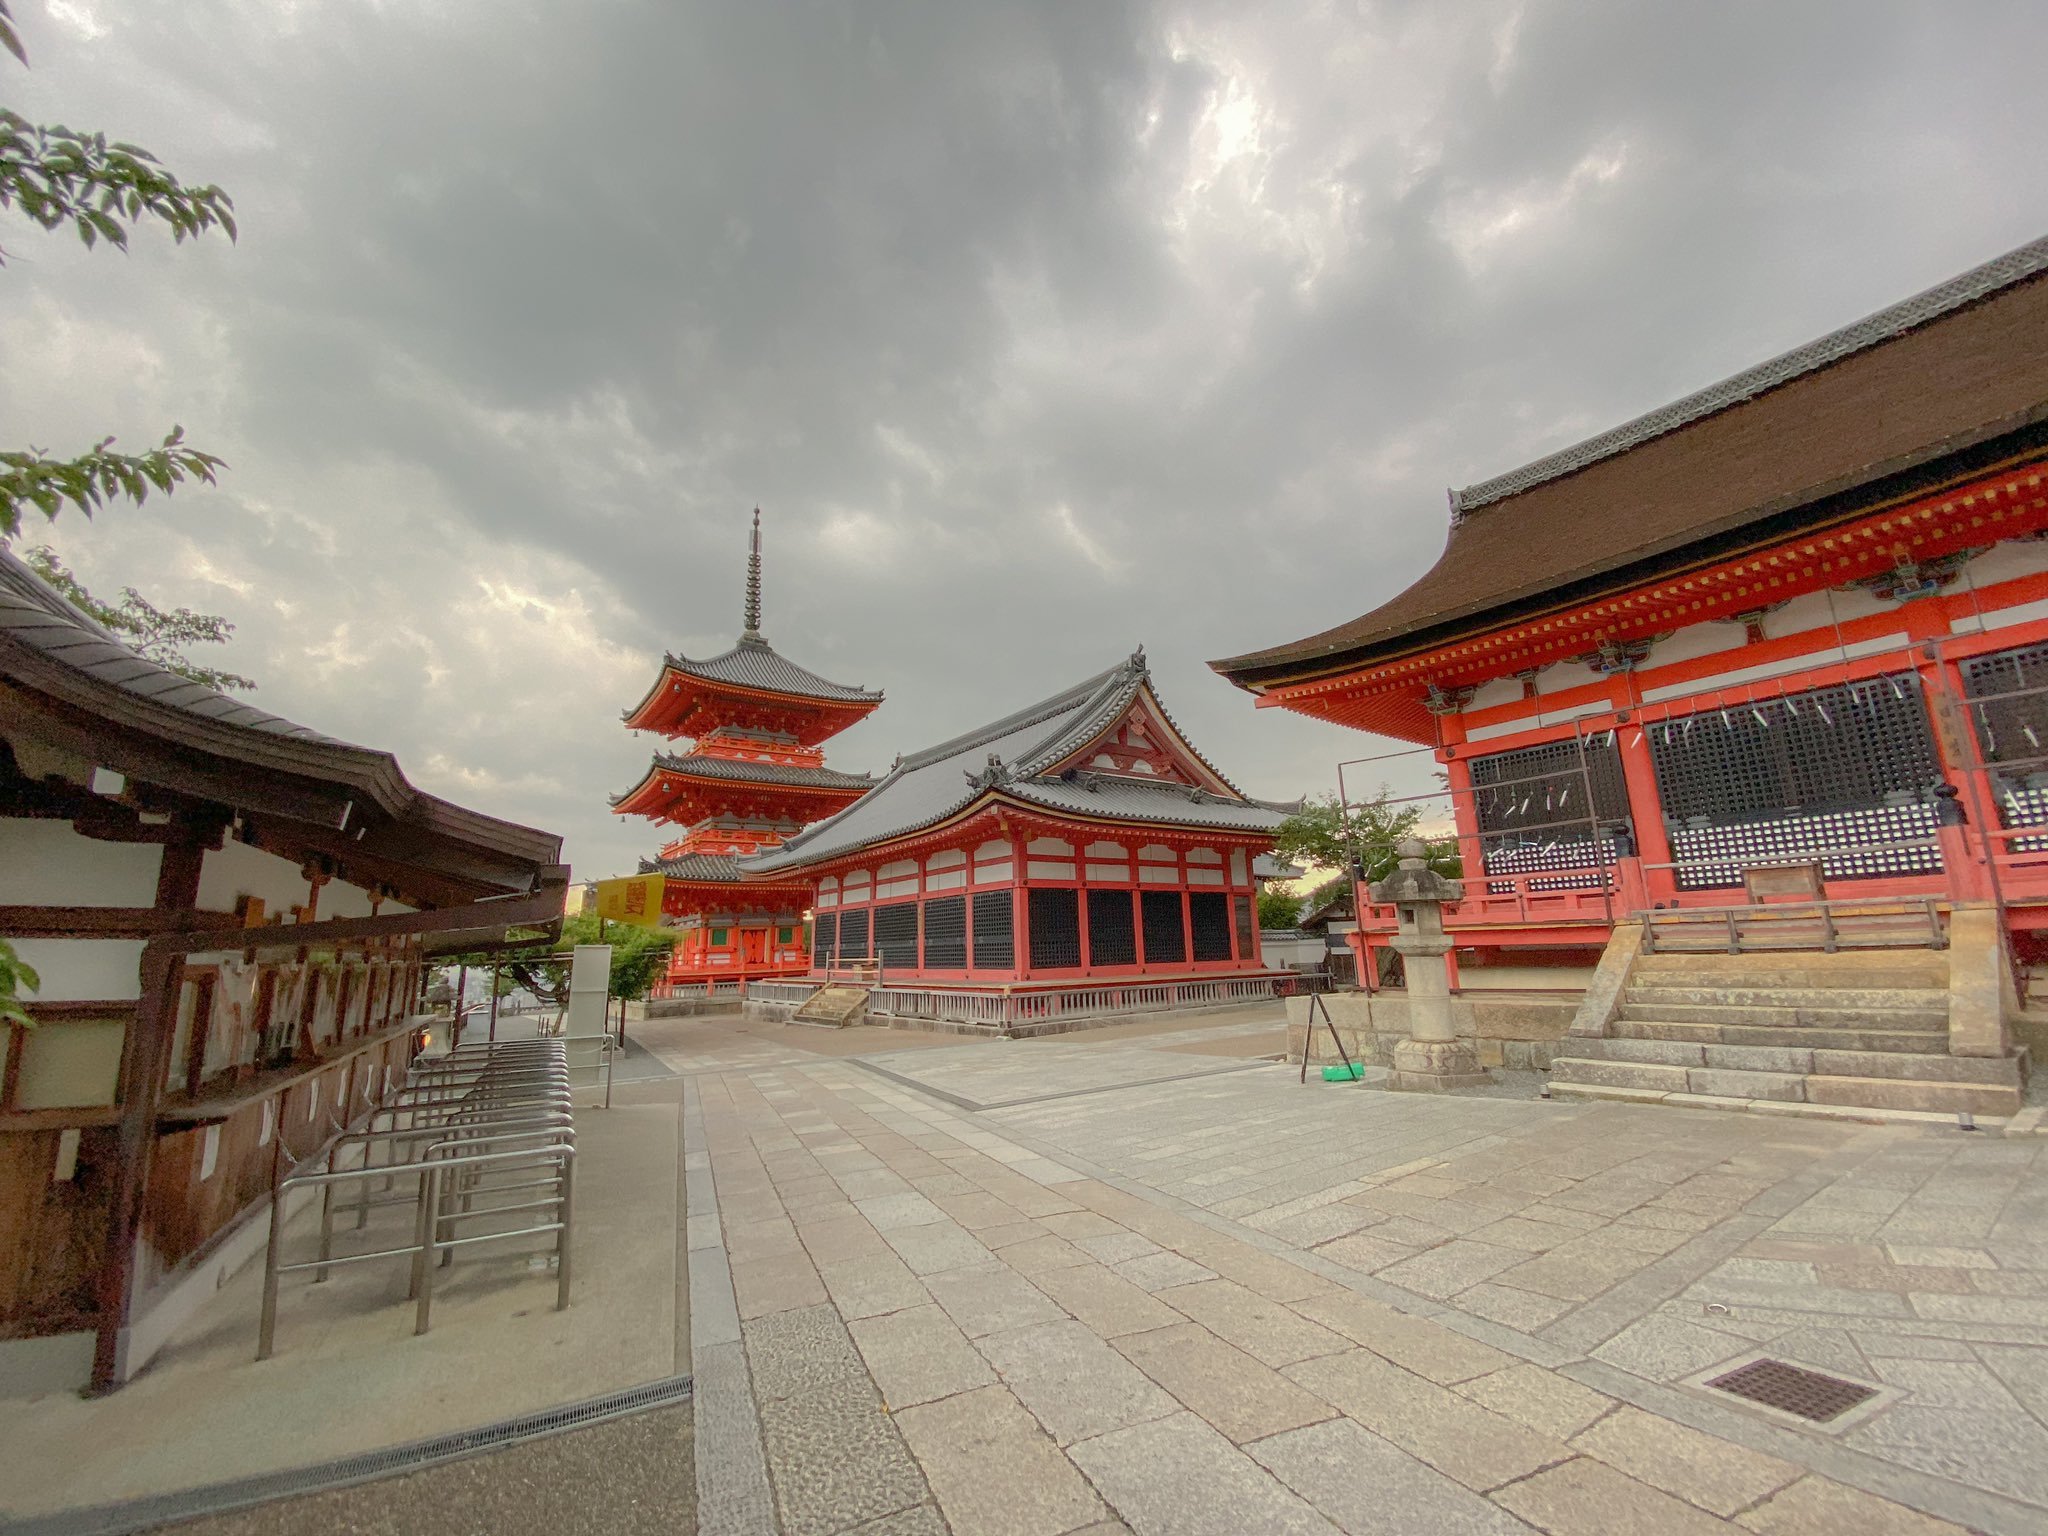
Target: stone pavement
x=1070 y=1285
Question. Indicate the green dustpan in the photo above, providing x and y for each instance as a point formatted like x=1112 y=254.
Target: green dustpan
x=1344 y=1074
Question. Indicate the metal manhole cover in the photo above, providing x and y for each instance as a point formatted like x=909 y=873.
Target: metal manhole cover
x=1809 y=1395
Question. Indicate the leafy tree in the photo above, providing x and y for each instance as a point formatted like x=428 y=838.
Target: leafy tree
x=16 y=978
x=58 y=177
x=152 y=632
x=1277 y=909
x=1329 y=833
x=639 y=955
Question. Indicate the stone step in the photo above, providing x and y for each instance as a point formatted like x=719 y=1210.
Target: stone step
x=835 y=1007
x=1806 y=1059
x=1913 y=1093
x=1670 y=1078
x=1923 y=1020
x=1786 y=971
x=1592 y=1072
x=1925 y=1042
x=2007 y=1071
x=1834 y=998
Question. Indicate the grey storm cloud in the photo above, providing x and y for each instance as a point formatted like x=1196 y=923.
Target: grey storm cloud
x=1036 y=331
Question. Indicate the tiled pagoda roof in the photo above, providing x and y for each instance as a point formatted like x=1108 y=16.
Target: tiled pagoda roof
x=754 y=663
x=740 y=770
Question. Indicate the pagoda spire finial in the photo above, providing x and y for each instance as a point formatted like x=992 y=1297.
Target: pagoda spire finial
x=753 y=630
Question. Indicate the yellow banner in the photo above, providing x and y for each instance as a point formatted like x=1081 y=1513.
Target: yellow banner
x=635 y=900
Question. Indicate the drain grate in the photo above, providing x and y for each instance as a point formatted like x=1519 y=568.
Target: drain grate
x=218 y=1498
x=1809 y=1395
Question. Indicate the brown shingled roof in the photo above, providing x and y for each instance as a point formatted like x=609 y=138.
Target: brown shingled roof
x=1887 y=395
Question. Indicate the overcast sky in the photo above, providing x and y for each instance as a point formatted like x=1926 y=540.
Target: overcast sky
x=1036 y=331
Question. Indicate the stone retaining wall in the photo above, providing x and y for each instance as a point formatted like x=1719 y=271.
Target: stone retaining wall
x=1514 y=1031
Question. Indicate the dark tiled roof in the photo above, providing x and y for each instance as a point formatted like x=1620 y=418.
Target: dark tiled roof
x=927 y=787
x=704 y=766
x=228 y=751
x=1129 y=800
x=1977 y=283
x=1960 y=367
x=35 y=614
x=754 y=663
x=720 y=867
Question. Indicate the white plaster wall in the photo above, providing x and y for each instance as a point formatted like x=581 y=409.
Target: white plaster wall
x=1501 y=690
x=45 y=863
x=83 y=970
x=236 y=870
x=338 y=899
x=63 y=1065
x=1811 y=610
x=1566 y=674
x=1695 y=641
x=2008 y=562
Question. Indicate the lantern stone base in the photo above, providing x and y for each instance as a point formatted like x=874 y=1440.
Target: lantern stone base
x=1436 y=1066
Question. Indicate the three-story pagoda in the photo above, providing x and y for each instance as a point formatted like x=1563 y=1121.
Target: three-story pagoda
x=753 y=776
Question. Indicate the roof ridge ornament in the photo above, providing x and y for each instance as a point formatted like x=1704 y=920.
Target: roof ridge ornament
x=1139 y=667
x=753 y=624
x=994 y=772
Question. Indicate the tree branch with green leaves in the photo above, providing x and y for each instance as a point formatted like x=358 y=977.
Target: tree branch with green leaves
x=17 y=976
x=32 y=479
x=1329 y=833
x=150 y=631
x=57 y=178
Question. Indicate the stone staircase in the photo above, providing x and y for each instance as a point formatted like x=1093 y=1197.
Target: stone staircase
x=834 y=1006
x=1859 y=1029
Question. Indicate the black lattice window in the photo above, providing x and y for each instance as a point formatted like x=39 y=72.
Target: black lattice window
x=853 y=935
x=1209 y=924
x=1546 y=807
x=995 y=937
x=1166 y=930
x=1247 y=928
x=1112 y=928
x=1836 y=773
x=1055 y=928
x=945 y=933
x=2009 y=711
x=824 y=935
x=896 y=934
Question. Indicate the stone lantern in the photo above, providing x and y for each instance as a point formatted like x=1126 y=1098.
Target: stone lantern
x=440 y=997
x=1432 y=1058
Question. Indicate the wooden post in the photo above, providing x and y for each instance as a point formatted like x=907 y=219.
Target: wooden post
x=496 y=966
x=145 y=1053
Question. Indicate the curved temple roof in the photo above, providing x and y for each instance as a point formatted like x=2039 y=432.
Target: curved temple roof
x=1956 y=367
x=1013 y=756
x=754 y=663
x=740 y=771
x=149 y=721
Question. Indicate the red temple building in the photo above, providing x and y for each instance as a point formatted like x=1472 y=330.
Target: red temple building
x=1073 y=859
x=753 y=776
x=1785 y=638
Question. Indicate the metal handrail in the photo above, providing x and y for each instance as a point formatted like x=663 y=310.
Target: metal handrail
x=479 y=1111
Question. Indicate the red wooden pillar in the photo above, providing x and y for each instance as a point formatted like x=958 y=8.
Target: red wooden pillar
x=1020 y=904
x=1081 y=904
x=1656 y=879
x=1966 y=850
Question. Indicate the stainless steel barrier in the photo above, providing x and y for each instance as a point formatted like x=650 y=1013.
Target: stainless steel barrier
x=472 y=1141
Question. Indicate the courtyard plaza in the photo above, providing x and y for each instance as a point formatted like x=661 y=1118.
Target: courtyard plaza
x=1143 y=1279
